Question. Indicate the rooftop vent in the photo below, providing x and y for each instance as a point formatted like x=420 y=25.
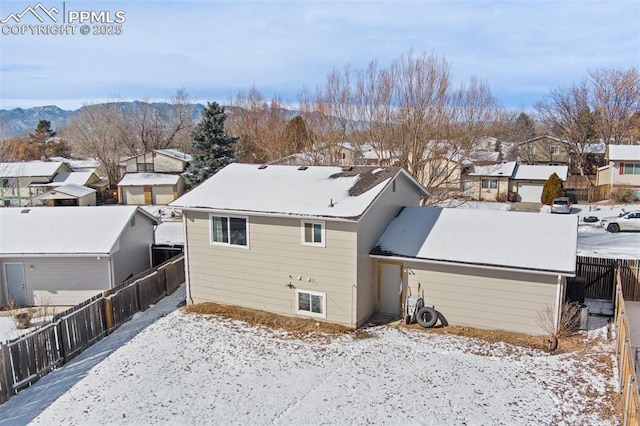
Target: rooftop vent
x=347 y=168
x=262 y=167
x=303 y=168
x=25 y=210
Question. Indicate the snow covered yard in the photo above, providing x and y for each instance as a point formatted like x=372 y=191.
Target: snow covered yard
x=187 y=369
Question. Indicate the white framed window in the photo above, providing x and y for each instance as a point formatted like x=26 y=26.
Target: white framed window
x=631 y=169
x=489 y=183
x=313 y=233
x=229 y=230
x=554 y=149
x=531 y=149
x=311 y=303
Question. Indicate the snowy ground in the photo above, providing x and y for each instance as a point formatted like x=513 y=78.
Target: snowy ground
x=9 y=328
x=183 y=369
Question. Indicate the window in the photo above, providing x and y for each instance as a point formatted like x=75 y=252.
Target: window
x=554 y=149
x=311 y=303
x=531 y=149
x=313 y=233
x=145 y=167
x=631 y=169
x=229 y=230
x=489 y=183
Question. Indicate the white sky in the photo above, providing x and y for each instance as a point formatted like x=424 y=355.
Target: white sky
x=213 y=49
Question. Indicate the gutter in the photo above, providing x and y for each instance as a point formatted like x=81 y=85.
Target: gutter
x=262 y=214
x=474 y=265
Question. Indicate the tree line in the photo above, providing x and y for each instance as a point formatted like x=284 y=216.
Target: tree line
x=411 y=108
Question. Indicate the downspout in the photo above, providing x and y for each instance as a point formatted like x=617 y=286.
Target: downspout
x=186 y=260
x=561 y=289
x=110 y=268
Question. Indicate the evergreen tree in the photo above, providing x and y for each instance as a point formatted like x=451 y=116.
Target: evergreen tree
x=213 y=149
x=552 y=189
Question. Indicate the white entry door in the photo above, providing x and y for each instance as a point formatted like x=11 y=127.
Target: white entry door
x=390 y=288
x=14 y=277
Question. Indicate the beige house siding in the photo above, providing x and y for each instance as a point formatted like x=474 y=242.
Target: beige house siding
x=543 y=150
x=60 y=281
x=257 y=277
x=475 y=191
x=371 y=227
x=133 y=253
x=160 y=164
x=485 y=298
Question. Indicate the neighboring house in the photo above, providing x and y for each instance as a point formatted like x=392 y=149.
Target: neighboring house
x=65 y=255
x=17 y=179
x=470 y=267
x=67 y=195
x=291 y=240
x=87 y=178
x=488 y=183
x=544 y=150
x=623 y=168
x=150 y=188
x=157 y=161
x=527 y=181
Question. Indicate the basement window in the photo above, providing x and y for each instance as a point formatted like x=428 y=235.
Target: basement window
x=313 y=233
x=311 y=303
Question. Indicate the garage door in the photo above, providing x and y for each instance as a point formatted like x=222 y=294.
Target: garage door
x=162 y=194
x=134 y=195
x=530 y=192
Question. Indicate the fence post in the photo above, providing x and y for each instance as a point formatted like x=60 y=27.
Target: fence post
x=108 y=311
x=6 y=378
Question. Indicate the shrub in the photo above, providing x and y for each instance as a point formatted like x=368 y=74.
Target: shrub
x=622 y=194
x=552 y=189
x=501 y=197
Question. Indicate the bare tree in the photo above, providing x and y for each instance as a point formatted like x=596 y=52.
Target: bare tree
x=615 y=98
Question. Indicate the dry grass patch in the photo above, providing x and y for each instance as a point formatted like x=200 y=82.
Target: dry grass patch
x=298 y=327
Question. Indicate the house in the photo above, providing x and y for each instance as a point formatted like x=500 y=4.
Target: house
x=291 y=240
x=88 y=179
x=157 y=161
x=17 y=180
x=544 y=150
x=150 y=188
x=527 y=181
x=623 y=168
x=65 y=255
x=467 y=265
x=66 y=195
x=488 y=182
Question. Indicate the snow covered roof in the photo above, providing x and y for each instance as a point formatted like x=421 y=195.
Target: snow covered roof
x=63 y=230
x=512 y=240
x=151 y=179
x=30 y=169
x=75 y=190
x=85 y=165
x=78 y=178
x=532 y=172
x=502 y=169
x=624 y=152
x=179 y=155
x=321 y=191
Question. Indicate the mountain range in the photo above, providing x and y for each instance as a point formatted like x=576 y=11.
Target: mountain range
x=19 y=121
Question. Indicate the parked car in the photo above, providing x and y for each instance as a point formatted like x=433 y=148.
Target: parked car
x=626 y=221
x=561 y=205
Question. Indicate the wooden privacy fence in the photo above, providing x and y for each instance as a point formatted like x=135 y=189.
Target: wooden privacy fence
x=599 y=275
x=25 y=359
x=598 y=193
x=626 y=362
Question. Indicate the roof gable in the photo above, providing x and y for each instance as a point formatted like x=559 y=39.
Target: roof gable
x=64 y=230
x=323 y=191
x=545 y=243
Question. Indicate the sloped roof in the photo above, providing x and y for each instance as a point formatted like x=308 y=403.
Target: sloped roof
x=624 y=152
x=75 y=190
x=63 y=230
x=533 y=172
x=321 y=191
x=150 y=179
x=545 y=243
x=78 y=178
x=30 y=169
x=494 y=170
x=178 y=155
